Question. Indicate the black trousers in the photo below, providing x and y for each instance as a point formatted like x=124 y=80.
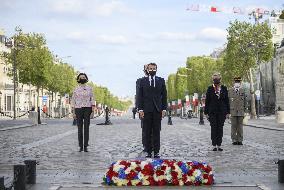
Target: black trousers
x=143 y=135
x=217 y=122
x=152 y=128
x=83 y=121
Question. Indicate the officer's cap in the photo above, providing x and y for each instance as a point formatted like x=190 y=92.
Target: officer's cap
x=237 y=79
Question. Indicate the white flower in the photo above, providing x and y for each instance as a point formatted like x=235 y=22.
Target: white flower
x=143 y=164
x=117 y=167
x=140 y=175
x=135 y=182
x=145 y=182
x=128 y=170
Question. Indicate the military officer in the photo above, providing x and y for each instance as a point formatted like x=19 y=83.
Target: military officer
x=237 y=109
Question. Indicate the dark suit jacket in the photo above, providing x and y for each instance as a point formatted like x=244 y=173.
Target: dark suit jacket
x=214 y=105
x=137 y=91
x=152 y=98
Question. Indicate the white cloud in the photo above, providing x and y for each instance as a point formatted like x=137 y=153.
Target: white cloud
x=213 y=34
x=89 y=7
x=176 y=36
x=77 y=36
x=68 y=6
x=112 y=39
x=106 y=9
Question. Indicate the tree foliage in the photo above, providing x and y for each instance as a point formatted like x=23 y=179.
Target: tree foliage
x=36 y=65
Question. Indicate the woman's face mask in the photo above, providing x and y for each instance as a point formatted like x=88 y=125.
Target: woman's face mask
x=216 y=81
x=237 y=85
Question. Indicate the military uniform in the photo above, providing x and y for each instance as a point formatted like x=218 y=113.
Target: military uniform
x=237 y=99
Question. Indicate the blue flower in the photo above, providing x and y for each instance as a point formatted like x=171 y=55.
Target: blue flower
x=195 y=163
x=184 y=168
x=121 y=174
x=108 y=180
x=198 y=178
x=157 y=163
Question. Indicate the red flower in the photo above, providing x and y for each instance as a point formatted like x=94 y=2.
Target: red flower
x=129 y=183
x=207 y=169
x=174 y=174
x=131 y=175
x=184 y=178
x=175 y=181
x=205 y=176
x=148 y=170
x=180 y=163
x=138 y=169
x=164 y=168
x=152 y=181
x=139 y=184
x=112 y=173
x=160 y=172
x=162 y=182
x=197 y=183
x=137 y=162
x=190 y=172
x=210 y=180
x=188 y=183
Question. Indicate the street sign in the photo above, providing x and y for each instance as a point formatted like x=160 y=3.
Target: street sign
x=44 y=98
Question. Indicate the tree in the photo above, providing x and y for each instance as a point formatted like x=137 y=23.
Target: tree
x=248 y=45
x=181 y=83
x=200 y=71
x=171 y=87
x=33 y=61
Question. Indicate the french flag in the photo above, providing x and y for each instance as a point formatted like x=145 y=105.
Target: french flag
x=215 y=9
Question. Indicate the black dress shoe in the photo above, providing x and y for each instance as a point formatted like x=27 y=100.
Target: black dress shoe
x=235 y=143
x=156 y=155
x=86 y=149
x=149 y=155
x=215 y=149
x=81 y=149
x=240 y=143
x=220 y=149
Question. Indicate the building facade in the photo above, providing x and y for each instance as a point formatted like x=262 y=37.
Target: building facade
x=26 y=94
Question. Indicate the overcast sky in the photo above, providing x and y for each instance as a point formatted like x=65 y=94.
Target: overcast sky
x=111 y=40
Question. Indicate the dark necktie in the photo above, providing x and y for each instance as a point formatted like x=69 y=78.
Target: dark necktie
x=152 y=82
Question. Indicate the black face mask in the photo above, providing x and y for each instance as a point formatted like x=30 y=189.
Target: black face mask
x=216 y=81
x=152 y=73
x=82 y=81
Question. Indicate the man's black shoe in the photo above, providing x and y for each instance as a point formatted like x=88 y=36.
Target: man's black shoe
x=215 y=149
x=220 y=149
x=240 y=143
x=81 y=149
x=156 y=155
x=86 y=149
x=235 y=143
x=149 y=155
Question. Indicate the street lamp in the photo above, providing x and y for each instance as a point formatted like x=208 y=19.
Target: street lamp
x=16 y=46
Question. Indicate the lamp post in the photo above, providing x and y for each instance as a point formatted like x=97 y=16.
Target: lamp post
x=16 y=46
x=0 y=101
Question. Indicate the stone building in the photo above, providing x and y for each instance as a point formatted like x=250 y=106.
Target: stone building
x=272 y=82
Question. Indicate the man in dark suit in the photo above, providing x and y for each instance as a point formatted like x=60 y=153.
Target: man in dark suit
x=136 y=104
x=152 y=106
x=217 y=108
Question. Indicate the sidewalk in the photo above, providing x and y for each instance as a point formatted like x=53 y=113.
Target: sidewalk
x=6 y=124
x=266 y=122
